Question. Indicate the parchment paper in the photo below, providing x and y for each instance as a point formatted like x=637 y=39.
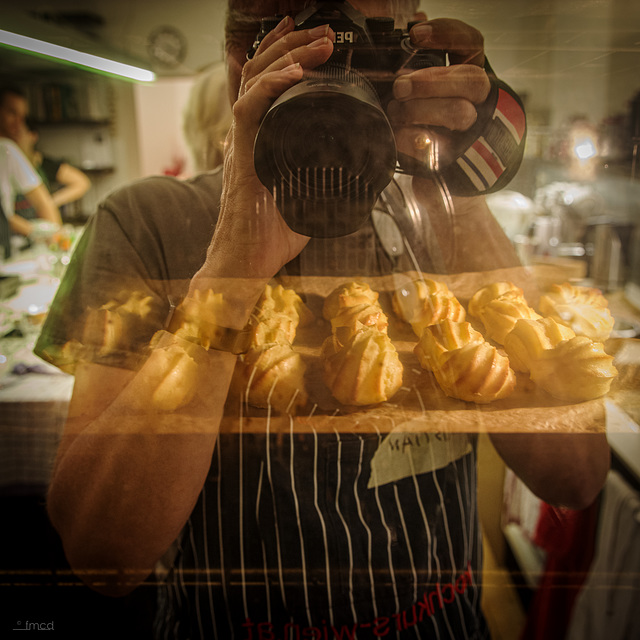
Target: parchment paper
x=420 y=405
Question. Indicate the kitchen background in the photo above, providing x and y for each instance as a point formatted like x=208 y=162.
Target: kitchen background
x=576 y=64
x=567 y=59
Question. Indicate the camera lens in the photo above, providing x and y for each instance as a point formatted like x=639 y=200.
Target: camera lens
x=315 y=138
x=326 y=151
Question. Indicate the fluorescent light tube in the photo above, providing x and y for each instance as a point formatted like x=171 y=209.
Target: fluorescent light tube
x=76 y=57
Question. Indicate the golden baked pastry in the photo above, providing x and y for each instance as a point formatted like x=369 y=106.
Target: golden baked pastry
x=583 y=309
x=277 y=316
x=271 y=375
x=361 y=365
x=425 y=302
x=109 y=329
x=465 y=365
x=529 y=339
x=350 y=320
x=500 y=315
x=177 y=377
x=439 y=308
x=575 y=370
x=366 y=370
x=350 y=294
x=492 y=291
x=200 y=316
x=136 y=303
x=104 y=330
x=447 y=335
x=70 y=354
x=273 y=328
x=476 y=372
x=279 y=300
x=568 y=293
x=408 y=299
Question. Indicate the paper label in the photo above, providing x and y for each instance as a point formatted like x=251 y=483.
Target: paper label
x=403 y=454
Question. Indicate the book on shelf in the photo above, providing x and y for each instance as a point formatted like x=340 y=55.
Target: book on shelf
x=72 y=101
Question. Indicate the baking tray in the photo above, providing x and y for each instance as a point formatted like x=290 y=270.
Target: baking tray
x=420 y=405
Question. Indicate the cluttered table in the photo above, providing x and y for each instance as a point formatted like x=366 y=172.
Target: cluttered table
x=34 y=395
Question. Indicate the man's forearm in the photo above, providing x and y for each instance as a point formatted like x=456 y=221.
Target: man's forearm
x=41 y=201
x=75 y=185
x=563 y=469
x=135 y=455
x=124 y=486
x=65 y=195
x=20 y=225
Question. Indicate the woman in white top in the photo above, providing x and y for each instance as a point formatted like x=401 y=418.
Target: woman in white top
x=17 y=175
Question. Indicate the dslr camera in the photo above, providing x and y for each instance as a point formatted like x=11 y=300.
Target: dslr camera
x=325 y=149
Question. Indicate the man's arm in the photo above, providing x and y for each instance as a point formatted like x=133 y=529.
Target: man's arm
x=128 y=472
x=20 y=225
x=74 y=183
x=30 y=185
x=467 y=234
x=561 y=468
x=41 y=201
x=127 y=475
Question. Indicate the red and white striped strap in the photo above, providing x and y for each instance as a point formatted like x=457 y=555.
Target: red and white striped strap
x=499 y=147
x=487 y=156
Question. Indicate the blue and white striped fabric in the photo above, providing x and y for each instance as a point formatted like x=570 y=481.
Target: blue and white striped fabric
x=292 y=539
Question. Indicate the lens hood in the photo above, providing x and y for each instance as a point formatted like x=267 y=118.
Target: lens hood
x=326 y=150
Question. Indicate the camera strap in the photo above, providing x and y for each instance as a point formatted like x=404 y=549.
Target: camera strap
x=487 y=156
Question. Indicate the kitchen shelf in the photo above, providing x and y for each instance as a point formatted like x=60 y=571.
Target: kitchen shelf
x=81 y=122
x=98 y=171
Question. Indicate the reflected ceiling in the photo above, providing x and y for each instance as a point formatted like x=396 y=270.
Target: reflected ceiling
x=181 y=38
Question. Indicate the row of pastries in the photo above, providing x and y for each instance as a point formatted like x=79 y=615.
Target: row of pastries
x=561 y=348
x=473 y=352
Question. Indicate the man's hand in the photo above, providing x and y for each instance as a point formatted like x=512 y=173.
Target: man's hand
x=251 y=239
x=442 y=97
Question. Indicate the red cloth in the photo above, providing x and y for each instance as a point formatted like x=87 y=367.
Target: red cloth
x=568 y=537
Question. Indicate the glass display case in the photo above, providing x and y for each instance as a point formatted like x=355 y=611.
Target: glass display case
x=387 y=408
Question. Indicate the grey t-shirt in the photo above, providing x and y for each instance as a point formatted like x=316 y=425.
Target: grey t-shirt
x=146 y=240
x=292 y=534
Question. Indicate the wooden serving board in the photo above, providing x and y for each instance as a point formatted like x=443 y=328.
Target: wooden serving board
x=420 y=405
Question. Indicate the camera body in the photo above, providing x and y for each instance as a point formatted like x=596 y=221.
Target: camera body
x=374 y=46
x=326 y=149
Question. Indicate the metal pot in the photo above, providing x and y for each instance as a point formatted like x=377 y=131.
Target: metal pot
x=605 y=247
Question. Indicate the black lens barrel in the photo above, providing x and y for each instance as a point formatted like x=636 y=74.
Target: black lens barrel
x=326 y=150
